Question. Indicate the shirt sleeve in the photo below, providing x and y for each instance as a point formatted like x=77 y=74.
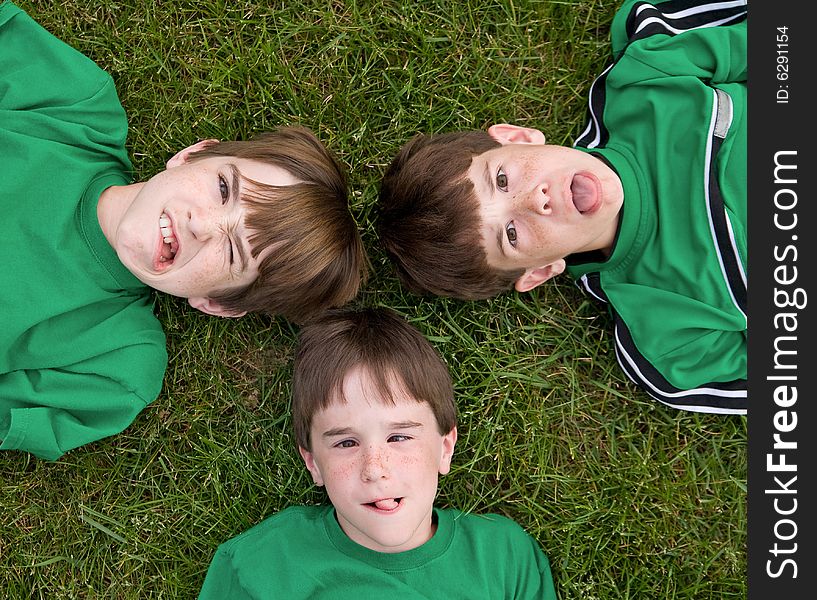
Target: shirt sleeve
x=535 y=579
x=50 y=411
x=221 y=581
x=526 y=567
x=704 y=39
x=38 y=74
x=697 y=362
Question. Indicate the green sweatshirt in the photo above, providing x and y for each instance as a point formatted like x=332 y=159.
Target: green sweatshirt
x=302 y=553
x=81 y=352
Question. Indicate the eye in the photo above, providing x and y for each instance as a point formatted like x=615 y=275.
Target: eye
x=397 y=437
x=510 y=232
x=501 y=180
x=223 y=189
x=345 y=444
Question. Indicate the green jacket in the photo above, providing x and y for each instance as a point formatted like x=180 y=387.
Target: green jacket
x=669 y=116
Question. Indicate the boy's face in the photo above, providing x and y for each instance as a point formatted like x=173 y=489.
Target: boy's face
x=540 y=203
x=184 y=233
x=379 y=463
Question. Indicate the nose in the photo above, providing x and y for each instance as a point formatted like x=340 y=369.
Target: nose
x=375 y=465
x=201 y=224
x=536 y=200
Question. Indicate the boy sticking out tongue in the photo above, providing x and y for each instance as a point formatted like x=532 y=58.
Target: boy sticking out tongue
x=375 y=422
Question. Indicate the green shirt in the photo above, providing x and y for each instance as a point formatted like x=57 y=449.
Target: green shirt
x=302 y=553
x=669 y=116
x=81 y=352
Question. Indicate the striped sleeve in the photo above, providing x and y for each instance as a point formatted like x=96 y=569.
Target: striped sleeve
x=643 y=20
x=728 y=397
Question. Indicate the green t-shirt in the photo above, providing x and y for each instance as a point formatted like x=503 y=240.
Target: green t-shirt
x=302 y=553
x=669 y=116
x=81 y=352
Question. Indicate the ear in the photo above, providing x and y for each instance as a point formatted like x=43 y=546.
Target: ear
x=449 y=441
x=182 y=156
x=212 y=307
x=535 y=277
x=311 y=465
x=505 y=133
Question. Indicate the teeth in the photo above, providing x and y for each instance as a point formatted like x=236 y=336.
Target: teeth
x=164 y=228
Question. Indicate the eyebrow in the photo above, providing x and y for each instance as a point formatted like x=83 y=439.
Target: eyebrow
x=239 y=242
x=500 y=246
x=486 y=174
x=489 y=182
x=405 y=425
x=338 y=431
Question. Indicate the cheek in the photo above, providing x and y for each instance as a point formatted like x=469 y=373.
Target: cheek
x=527 y=171
x=542 y=235
x=528 y=164
x=341 y=474
x=130 y=242
x=205 y=271
x=424 y=466
x=413 y=461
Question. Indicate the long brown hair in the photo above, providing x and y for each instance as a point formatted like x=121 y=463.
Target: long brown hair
x=316 y=259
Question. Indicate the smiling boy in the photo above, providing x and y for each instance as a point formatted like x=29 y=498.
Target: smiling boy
x=261 y=225
x=375 y=422
x=647 y=211
x=164 y=229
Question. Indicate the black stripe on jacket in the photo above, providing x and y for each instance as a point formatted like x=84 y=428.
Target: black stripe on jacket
x=714 y=397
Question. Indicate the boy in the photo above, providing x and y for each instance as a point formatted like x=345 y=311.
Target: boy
x=647 y=212
x=261 y=225
x=374 y=419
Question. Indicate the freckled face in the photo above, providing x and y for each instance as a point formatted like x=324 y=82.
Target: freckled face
x=540 y=203
x=380 y=463
x=184 y=231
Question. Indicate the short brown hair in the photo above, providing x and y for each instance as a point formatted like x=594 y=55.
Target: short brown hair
x=428 y=218
x=317 y=260
x=392 y=352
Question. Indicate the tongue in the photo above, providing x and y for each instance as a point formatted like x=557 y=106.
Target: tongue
x=166 y=251
x=584 y=193
x=386 y=504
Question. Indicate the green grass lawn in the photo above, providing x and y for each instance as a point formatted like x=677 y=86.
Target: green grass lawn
x=629 y=499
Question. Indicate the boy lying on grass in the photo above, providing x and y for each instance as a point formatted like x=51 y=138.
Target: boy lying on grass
x=260 y=225
x=374 y=418
x=647 y=211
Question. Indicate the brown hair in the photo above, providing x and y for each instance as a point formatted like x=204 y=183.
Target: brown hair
x=428 y=218
x=392 y=352
x=317 y=260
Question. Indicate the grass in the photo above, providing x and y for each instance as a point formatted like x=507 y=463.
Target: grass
x=629 y=499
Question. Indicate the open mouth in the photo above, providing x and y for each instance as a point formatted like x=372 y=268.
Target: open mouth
x=585 y=192
x=385 y=504
x=170 y=245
